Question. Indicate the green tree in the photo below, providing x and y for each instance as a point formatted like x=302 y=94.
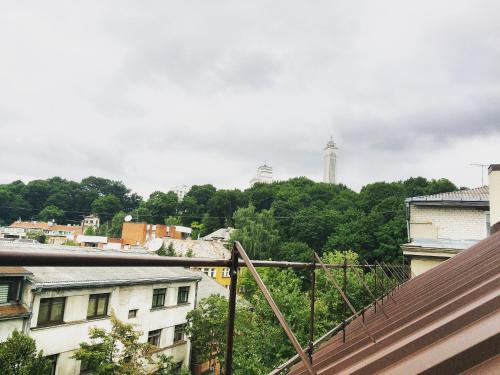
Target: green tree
x=162 y=205
x=257 y=232
x=142 y=214
x=206 y=326
x=172 y=220
x=106 y=207
x=222 y=206
x=116 y=352
x=167 y=252
x=117 y=224
x=197 y=230
x=18 y=356
x=51 y=213
x=89 y=231
x=36 y=193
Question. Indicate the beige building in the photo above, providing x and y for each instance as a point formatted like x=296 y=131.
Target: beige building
x=442 y=225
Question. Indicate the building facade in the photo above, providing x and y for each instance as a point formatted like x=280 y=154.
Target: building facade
x=137 y=234
x=56 y=306
x=442 y=225
x=264 y=175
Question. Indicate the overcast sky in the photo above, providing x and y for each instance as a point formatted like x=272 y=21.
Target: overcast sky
x=162 y=93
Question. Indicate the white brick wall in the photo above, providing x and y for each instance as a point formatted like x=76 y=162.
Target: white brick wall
x=451 y=222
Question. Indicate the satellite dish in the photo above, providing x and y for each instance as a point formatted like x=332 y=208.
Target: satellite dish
x=155 y=244
x=128 y=218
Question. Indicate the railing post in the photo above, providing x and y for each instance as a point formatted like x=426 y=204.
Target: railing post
x=311 y=316
x=364 y=291
x=344 y=286
x=376 y=292
x=228 y=362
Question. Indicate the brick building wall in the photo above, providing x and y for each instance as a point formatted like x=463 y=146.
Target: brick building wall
x=133 y=233
x=455 y=223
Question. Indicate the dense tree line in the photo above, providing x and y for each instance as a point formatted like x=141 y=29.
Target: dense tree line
x=293 y=214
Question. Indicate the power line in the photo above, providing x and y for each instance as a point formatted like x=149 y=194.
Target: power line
x=199 y=216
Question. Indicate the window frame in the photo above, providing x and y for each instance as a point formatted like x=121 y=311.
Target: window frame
x=180 y=292
x=97 y=296
x=155 y=336
x=134 y=312
x=51 y=322
x=182 y=329
x=6 y=283
x=154 y=303
x=53 y=361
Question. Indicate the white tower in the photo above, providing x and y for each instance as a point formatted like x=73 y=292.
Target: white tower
x=330 y=163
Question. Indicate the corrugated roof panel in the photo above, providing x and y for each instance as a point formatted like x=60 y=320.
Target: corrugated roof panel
x=438 y=321
x=480 y=194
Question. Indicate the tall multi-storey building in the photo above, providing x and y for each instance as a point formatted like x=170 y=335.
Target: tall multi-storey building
x=264 y=174
x=330 y=163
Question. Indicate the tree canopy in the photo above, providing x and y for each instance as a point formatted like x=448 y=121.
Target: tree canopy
x=324 y=217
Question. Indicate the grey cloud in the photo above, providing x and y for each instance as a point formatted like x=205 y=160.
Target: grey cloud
x=195 y=92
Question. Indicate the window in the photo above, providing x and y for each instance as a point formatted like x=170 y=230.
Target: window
x=51 y=311
x=86 y=367
x=225 y=273
x=154 y=337
x=183 y=295
x=98 y=305
x=53 y=363
x=4 y=293
x=179 y=333
x=210 y=272
x=9 y=289
x=132 y=313
x=159 y=297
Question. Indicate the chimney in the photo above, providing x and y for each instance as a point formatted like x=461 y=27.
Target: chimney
x=494 y=188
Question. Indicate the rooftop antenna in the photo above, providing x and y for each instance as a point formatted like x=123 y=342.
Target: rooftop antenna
x=483 y=166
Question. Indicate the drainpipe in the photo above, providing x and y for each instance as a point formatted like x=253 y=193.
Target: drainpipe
x=408 y=213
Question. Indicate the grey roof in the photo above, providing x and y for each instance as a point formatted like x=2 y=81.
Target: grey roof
x=220 y=234
x=208 y=287
x=65 y=248
x=477 y=195
x=81 y=277
x=441 y=245
x=199 y=248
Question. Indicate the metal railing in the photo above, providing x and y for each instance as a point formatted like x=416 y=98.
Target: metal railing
x=387 y=277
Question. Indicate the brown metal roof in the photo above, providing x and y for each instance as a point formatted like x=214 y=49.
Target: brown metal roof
x=14 y=271
x=444 y=321
x=11 y=311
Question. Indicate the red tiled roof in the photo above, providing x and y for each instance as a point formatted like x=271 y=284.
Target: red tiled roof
x=29 y=225
x=444 y=321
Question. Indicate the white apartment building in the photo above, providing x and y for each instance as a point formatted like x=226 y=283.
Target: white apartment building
x=264 y=175
x=57 y=305
x=442 y=225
